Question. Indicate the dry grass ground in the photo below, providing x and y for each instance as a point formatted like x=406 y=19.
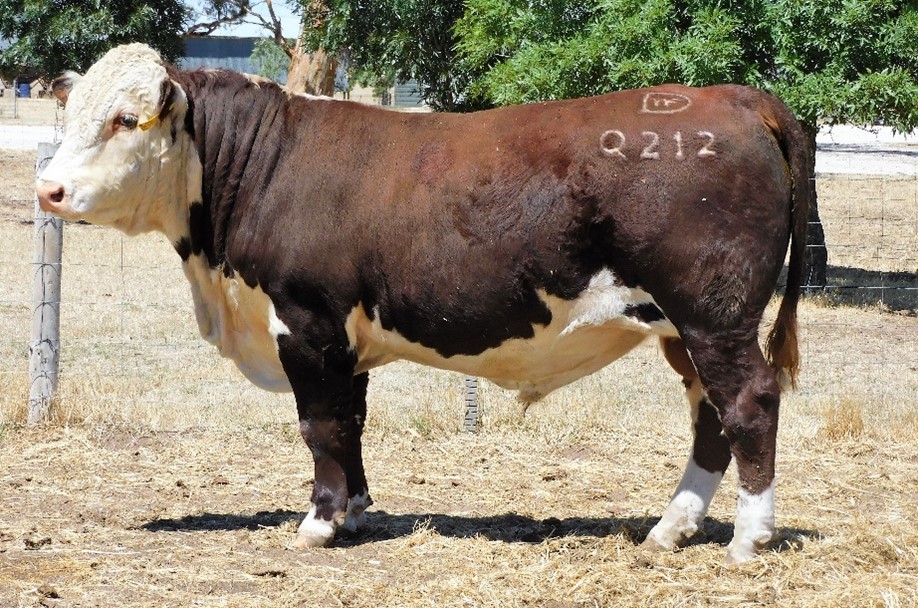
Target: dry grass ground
x=167 y=480
x=29 y=112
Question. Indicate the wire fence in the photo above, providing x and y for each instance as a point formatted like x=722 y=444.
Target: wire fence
x=130 y=344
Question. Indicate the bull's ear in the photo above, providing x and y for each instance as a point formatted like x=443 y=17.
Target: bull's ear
x=169 y=94
x=60 y=86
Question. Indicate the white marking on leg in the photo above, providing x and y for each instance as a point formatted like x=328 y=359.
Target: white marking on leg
x=755 y=524
x=356 y=512
x=687 y=509
x=314 y=532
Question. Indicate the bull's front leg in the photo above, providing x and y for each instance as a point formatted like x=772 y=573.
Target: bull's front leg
x=331 y=403
x=357 y=491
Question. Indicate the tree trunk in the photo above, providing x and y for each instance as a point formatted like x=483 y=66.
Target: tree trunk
x=312 y=73
x=816 y=259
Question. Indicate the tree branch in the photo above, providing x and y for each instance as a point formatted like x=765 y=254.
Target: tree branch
x=243 y=12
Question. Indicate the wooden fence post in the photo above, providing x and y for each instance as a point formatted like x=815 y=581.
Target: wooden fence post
x=44 y=347
x=470 y=424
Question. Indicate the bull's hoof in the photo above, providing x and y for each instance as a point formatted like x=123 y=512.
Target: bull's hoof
x=652 y=545
x=669 y=534
x=307 y=540
x=743 y=550
x=314 y=533
x=354 y=522
x=356 y=516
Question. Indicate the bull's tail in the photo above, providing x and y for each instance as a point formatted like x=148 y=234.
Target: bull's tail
x=781 y=349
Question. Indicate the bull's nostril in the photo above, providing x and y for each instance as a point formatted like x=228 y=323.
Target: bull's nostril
x=49 y=193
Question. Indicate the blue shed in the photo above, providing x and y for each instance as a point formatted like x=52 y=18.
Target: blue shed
x=221 y=52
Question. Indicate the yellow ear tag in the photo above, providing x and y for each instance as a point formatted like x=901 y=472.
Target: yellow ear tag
x=146 y=126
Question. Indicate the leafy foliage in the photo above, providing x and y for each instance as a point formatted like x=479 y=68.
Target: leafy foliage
x=390 y=39
x=50 y=36
x=216 y=13
x=269 y=59
x=847 y=60
x=831 y=60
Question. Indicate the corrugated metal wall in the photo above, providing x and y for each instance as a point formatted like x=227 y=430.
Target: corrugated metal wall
x=221 y=52
x=407 y=95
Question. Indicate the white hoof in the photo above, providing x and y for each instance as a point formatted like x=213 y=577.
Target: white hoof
x=668 y=534
x=653 y=545
x=356 y=512
x=314 y=532
x=687 y=508
x=743 y=550
x=755 y=525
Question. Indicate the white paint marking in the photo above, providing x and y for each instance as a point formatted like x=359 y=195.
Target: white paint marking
x=706 y=150
x=665 y=103
x=650 y=151
x=606 y=141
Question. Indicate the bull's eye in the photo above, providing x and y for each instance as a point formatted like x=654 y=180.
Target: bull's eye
x=127 y=121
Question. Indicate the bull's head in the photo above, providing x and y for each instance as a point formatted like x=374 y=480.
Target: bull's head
x=124 y=156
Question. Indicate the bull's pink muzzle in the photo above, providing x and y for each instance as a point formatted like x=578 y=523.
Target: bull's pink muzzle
x=50 y=195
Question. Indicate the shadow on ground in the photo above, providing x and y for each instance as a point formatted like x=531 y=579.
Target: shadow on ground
x=507 y=527
x=203 y=522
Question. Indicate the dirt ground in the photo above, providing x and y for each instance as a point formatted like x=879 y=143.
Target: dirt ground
x=113 y=517
x=166 y=480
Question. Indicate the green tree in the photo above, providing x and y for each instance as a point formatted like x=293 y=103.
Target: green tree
x=832 y=61
x=50 y=36
x=396 y=39
x=269 y=59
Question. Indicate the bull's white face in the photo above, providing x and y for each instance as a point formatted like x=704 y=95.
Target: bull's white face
x=119 y=164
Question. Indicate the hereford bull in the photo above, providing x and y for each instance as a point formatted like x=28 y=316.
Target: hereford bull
x=530 y=245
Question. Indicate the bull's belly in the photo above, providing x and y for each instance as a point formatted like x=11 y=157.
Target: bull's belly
x=537 y=366
x=584 y=335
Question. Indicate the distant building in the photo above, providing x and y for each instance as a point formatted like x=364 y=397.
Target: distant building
x=38 y=89
x=235 y=54
x=407 y=95
x=221 y=52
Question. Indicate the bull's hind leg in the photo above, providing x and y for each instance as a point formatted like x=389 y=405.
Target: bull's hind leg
x=743 y=387
x=707 y=461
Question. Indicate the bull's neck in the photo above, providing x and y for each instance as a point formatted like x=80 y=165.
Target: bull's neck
x=234 y=123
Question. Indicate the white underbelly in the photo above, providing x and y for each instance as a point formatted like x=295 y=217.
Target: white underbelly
x=583 y=336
